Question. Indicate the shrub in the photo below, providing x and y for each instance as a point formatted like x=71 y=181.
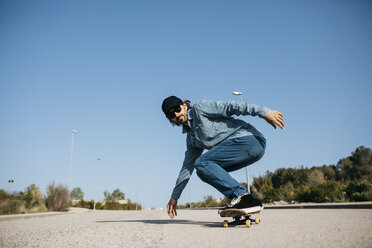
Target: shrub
x=327 y=192
x=33 y=197
x=57 y=197
x=98 y=205
x=362 y=196
x=4 y=195
x=287 y=192
x=81 y=204
x=10 y=206
x=209 y=201
x=303 y=194
x=112 y=205
x=316 y=177
x=357 y=187
x=31 y=201
x=272 y=194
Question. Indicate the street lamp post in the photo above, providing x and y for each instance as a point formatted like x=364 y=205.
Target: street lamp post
x=69 y=175
x=237 y=93
x=96 y=188
x=137 y=193
x=145 y=200
x=10 y=186
x=190 y=194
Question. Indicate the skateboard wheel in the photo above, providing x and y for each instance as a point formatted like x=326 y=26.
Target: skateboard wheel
x=257 y=221
x=225 y=223
x=248 y=223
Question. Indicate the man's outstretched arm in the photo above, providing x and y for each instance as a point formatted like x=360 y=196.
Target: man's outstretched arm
x=191 y=154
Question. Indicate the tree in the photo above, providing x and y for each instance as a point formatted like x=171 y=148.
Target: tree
x=108 y=196
x=115 y=195
x=118 y=195
x=77 y=194
x=330 y=172
x=358 y=165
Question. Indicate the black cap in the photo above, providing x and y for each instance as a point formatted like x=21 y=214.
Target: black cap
x=169 y=103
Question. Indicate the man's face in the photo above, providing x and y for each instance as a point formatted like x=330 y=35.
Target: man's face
x=179 y=115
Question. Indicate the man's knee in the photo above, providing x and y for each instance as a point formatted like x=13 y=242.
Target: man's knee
x=200 y=163
x=201 y=176
x=256 y=153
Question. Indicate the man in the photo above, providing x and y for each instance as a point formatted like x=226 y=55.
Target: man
x=232 y=144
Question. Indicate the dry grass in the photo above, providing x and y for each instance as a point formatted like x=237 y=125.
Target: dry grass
x=57 y=197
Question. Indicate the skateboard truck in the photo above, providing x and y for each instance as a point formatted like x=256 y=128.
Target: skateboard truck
x=241 y=220
x=240 y=217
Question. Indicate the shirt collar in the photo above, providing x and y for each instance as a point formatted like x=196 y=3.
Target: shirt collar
x=185 y=129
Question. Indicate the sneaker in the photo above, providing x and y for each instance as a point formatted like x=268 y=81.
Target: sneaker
x=249 y=203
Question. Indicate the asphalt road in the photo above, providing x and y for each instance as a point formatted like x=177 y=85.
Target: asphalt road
x=192 y=228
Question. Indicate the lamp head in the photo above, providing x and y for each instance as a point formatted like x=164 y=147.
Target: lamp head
x=237 y=93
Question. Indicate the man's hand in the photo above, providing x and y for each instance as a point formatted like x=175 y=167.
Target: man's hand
x=171 y=208
x=274 y=118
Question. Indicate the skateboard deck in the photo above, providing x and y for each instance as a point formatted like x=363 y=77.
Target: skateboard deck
x=240 y=217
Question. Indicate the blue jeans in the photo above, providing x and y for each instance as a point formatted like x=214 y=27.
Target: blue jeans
x=213 y=167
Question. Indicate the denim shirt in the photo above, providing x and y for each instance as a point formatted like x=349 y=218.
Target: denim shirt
x=210 y=123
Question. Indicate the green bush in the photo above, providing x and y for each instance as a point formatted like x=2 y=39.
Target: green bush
x=362 y=196
x=329 y=191
x=108 y=205
x=287 y=192
x=321 y=193
x=208 y=202
x=113 y=205
x=11 y=206
x=4 y=195
x=357 y=187
x=272 y=194
x=132 y=206
x=30 y=201
x=98 y=205
x=303 y=194
x=33 y=197
x=81 y=204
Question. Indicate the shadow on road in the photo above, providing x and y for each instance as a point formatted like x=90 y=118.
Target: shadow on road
x=166 y=222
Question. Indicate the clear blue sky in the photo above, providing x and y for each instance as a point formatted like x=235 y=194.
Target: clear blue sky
x=104 y=67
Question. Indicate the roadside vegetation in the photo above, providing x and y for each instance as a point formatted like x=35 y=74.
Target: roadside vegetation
x=208 y=202
x=33 y=201
x=113 y=201
x=350 y=180
x=57 y=199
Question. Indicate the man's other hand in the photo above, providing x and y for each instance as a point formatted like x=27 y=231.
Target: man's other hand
x=171 y=208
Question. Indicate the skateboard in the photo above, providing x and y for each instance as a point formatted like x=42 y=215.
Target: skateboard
x=240 y=217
